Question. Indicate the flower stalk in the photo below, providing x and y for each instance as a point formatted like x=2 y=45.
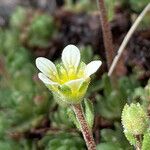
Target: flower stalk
x=107 y=35
x=86 y=131
x=107 y=39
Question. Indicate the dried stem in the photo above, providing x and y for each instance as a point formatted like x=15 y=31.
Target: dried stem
x=127 y=38
x=138 y=144
x=86 y=131
x=107 y=35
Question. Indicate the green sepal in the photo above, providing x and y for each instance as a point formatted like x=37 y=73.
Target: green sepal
x=146 y=141
x=64 y=89
x=84 y=86
x=73 y=118
x=89 y=112
x=132 y=140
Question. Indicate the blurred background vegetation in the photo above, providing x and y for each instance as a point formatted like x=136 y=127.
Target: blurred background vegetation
x=29 y=117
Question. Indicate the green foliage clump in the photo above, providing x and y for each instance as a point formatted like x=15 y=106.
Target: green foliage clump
x=40 y=31
x=113 y=139
x=138 y=5
x=110 y=104
x=8 y=145
x=18 y=18
x=34 y=29
x=60 y=118
x=80 y=6
x=63 y=141
x=87 y=54
x=22 y=108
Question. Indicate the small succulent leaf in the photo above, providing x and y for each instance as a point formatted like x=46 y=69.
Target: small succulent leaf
x=106 y=85
x=146 y=141
x=86 y=54
x=108 y=146
x=89 y=112
x=73 y=118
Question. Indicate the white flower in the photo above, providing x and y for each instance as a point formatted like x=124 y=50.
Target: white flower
x=68 y=80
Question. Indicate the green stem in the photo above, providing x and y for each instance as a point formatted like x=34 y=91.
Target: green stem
x=86 y=131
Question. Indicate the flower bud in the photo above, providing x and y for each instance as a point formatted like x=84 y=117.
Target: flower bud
x=134 y=119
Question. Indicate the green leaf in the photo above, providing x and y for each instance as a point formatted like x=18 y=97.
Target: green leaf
x=59 y=118
x=138 y=5
x=62 y=140
x=86 y=54
x=9 y=145
x=73 y=118
x=108 y=146
x=146 y=141
x=89 y=112
x=106 y=85
x=115 y=136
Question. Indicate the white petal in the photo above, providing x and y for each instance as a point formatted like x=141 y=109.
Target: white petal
x=46 y=80
x=71 y=56
x=45 y=66
x=92 y=67
x=75 y=84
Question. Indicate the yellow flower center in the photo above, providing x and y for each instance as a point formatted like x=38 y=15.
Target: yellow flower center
x=65 y=75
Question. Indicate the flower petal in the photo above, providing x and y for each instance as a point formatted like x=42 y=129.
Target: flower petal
x=45 y=66
x=75 y=84
x=71 y=56
x=92 y=67
x=46 y=80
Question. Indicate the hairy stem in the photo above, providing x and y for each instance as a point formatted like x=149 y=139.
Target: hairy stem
x=107 y=35
x=86 y=131
x=127 y=38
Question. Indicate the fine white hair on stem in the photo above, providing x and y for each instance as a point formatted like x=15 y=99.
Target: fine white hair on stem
x=127 y=38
